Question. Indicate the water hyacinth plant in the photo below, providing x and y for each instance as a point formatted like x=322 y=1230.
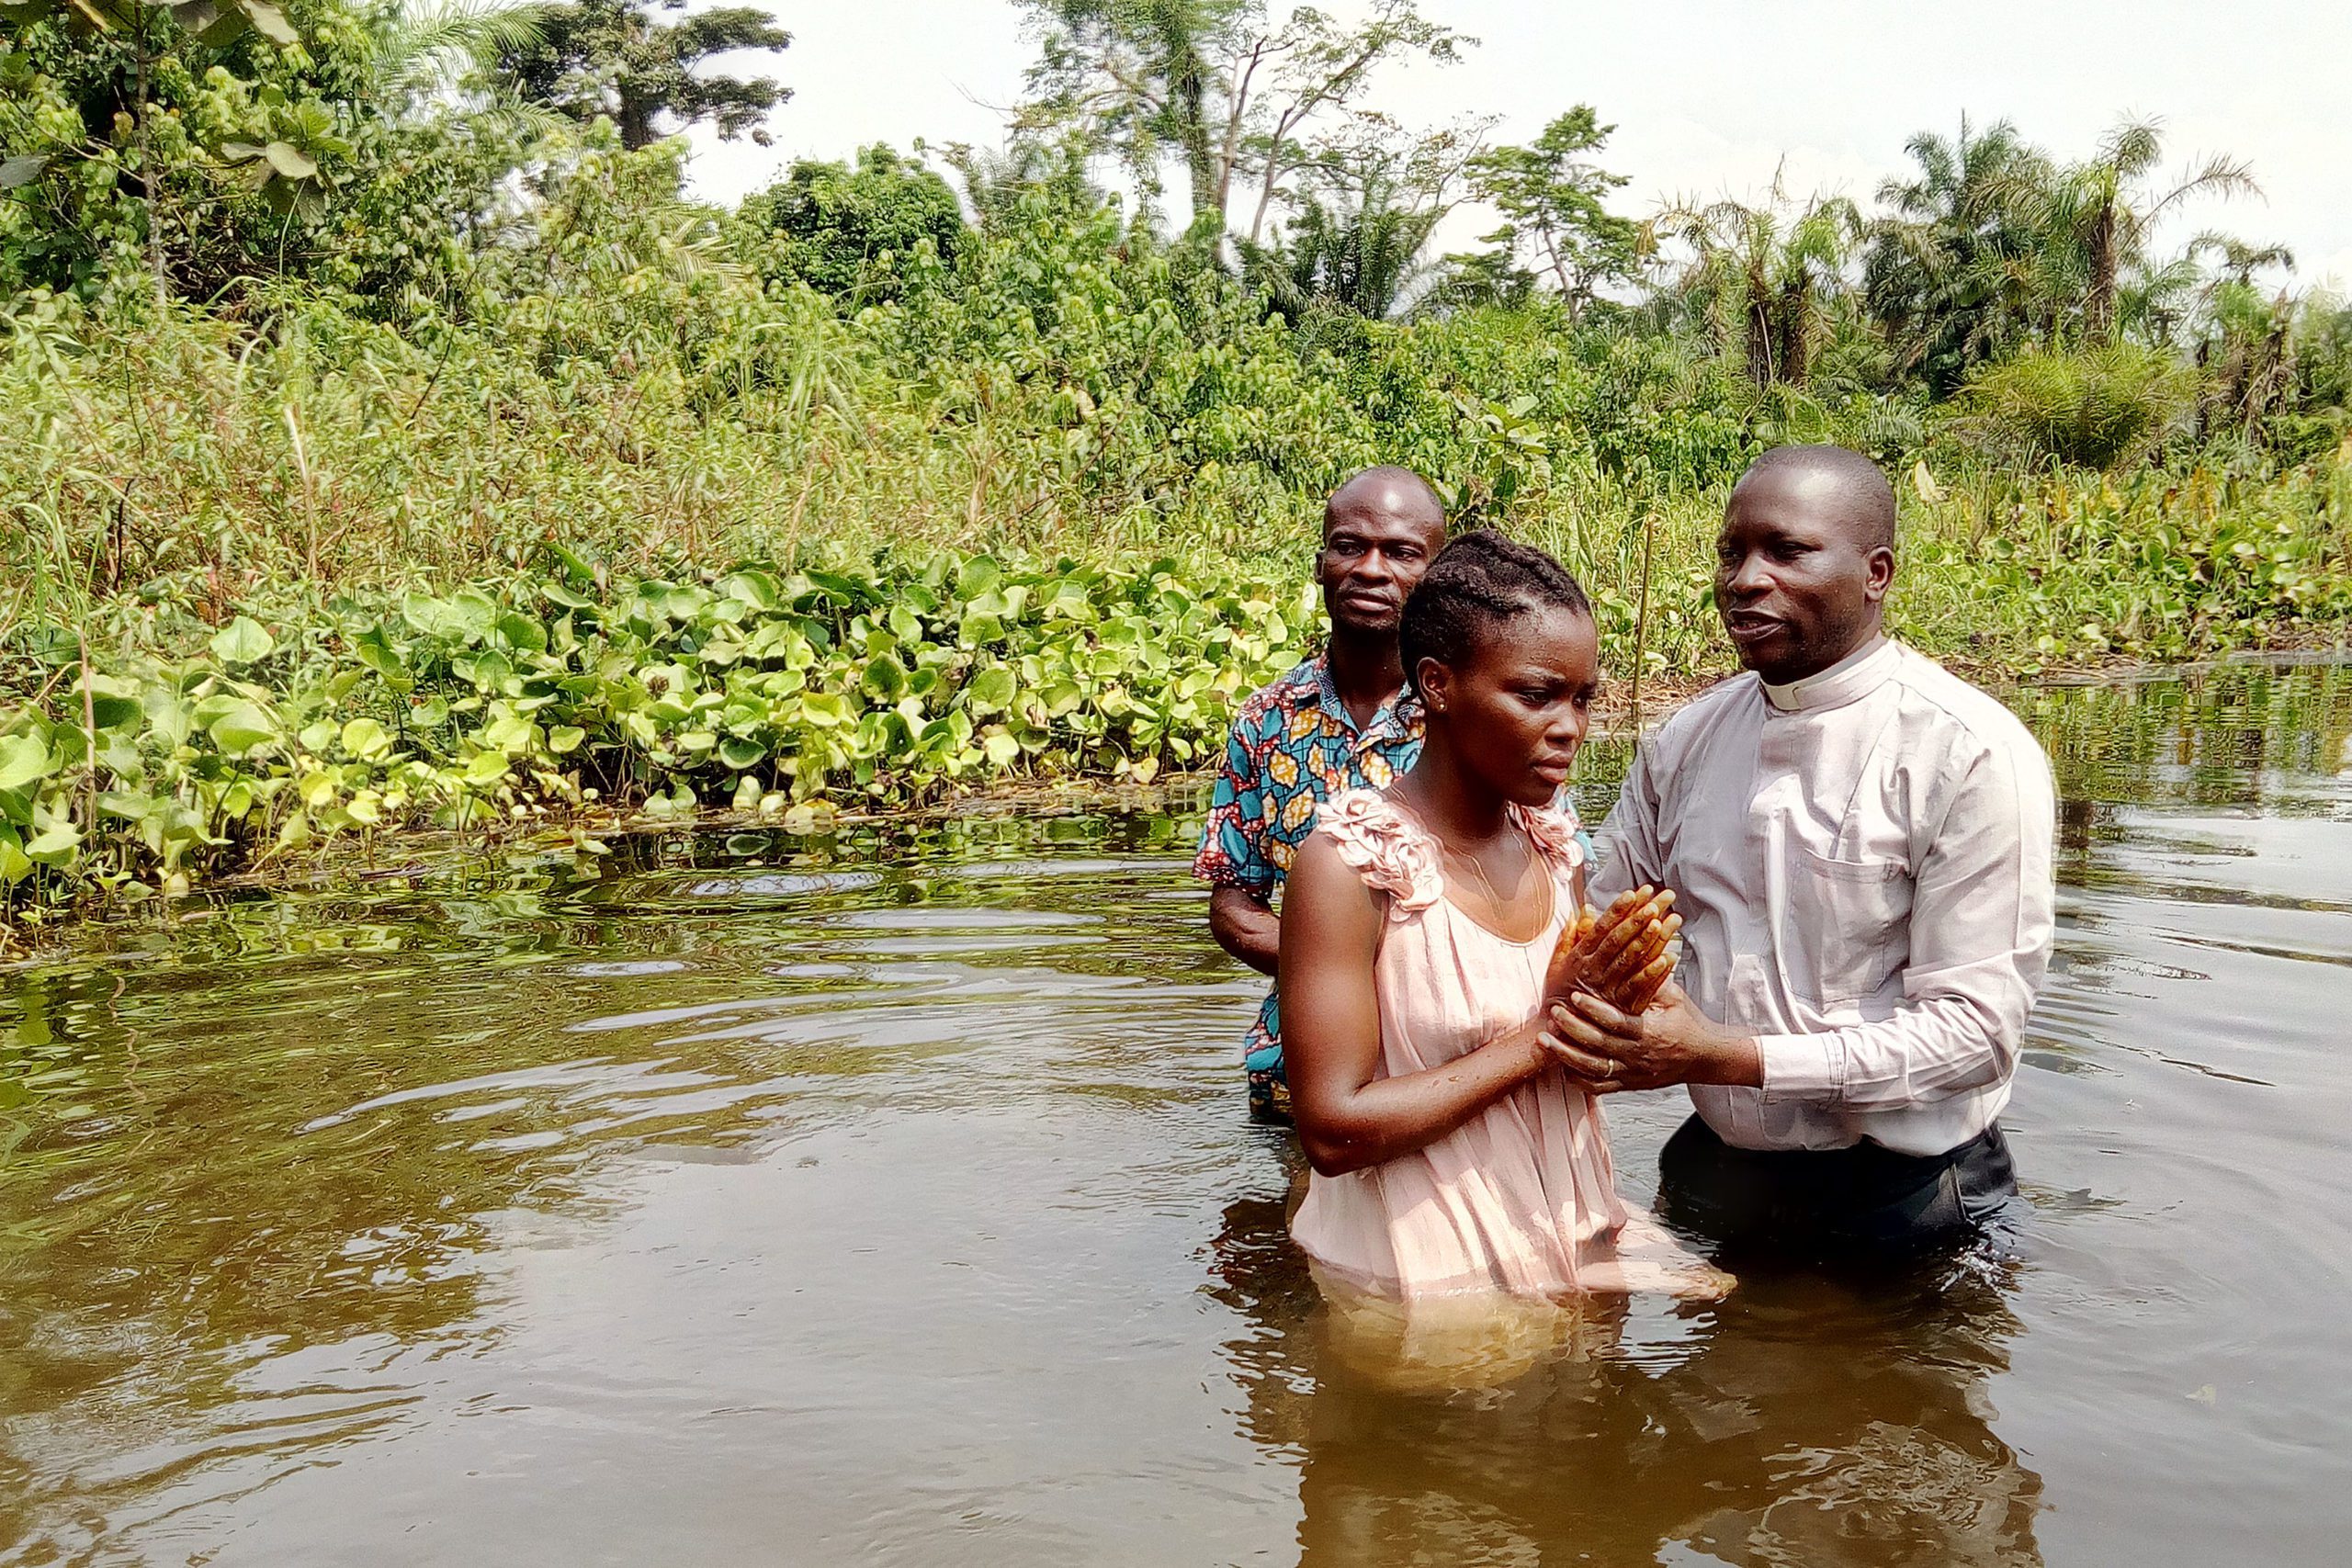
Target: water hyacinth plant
x=782 y=693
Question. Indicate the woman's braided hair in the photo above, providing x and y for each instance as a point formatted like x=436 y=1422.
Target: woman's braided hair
x=1478 y=582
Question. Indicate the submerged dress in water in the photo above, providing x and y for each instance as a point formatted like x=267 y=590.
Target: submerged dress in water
x=1522 y=1199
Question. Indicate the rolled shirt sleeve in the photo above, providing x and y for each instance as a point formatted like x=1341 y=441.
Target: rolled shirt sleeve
x=1981 y=921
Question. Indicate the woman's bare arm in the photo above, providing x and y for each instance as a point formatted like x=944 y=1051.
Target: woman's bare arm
x=1348 y=1116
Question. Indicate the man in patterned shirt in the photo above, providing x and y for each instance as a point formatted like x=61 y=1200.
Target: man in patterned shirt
x=1333 y=723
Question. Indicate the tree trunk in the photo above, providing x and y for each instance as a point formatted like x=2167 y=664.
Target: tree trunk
x=1796 y=331
x=1189 y=96
x=2098 y=303
x=1757 y=314
x=636 y=121
x=149 y=185
x=1759 y=343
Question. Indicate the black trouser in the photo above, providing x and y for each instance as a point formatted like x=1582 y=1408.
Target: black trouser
x=1866 y=1197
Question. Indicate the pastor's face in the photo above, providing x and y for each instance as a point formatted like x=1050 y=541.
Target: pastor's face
x=1796 y=587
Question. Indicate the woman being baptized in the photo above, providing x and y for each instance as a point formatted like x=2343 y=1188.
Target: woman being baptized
x=1427 y=932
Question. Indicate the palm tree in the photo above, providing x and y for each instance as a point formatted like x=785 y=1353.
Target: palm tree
x=2096 y=216
x=996 y=183
x=2241 y=259
x=2248 y=355
x=1767 y=277
x=425 y=51
x=1361 y=252
x=1952 y=275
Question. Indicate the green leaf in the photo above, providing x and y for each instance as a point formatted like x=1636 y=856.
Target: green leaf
x=839 y=589
x=977 y=576
x=510 y=732
x=271 y=23
x=521 y=632
x=1000 y=748
x=168 y=714
x=465 y=617
x=993 y=689
x=885 y=679
x=240 y=728
x=565 y=738
x=757 y=589
x=738 y=753
x=54 y=847
x=242 y=641
x=22 y=170
x=826 y=710
x=365 y=738
x=23 y=759
x=15 y=865
x=114 y=703
x=209 y=25
x=376 y=651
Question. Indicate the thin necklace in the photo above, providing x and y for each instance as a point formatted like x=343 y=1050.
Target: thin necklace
x=1477 y=870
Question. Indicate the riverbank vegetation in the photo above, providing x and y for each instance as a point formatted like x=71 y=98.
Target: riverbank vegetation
x=391 y=439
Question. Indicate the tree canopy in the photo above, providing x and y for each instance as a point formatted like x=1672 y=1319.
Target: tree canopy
x=617 y=59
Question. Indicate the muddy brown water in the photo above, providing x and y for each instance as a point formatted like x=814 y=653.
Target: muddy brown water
x=889 y=1200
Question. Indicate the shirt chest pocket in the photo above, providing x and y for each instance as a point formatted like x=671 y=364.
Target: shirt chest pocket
x=1850 y=922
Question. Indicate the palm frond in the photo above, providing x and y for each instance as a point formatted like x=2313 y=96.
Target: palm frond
x=427 y=47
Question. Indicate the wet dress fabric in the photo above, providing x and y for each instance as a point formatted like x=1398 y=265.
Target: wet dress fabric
x=1522 y=1199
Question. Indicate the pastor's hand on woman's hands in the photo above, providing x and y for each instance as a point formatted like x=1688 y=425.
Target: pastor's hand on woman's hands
x=1606 y=1049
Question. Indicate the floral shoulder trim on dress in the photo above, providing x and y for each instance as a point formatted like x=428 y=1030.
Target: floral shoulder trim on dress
x=1383 y=846
x=1555 y=831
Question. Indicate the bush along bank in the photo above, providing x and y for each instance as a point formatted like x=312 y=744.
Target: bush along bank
x=564 y=696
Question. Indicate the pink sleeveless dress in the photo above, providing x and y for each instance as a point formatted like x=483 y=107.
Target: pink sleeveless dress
x=1523 y=1198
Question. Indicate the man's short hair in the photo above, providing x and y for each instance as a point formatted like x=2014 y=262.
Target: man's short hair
x=1863 y=499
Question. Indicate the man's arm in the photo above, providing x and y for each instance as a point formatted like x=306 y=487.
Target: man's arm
x=1625 y=852
x=1246 y=927
x=1982 y=916
x=1233 y=861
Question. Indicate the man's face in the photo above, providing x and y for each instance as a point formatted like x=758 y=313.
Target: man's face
x=1796 y=584
x=1375 y=550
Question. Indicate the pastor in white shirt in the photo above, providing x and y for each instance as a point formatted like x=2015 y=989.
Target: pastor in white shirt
x=1862 y=864
x=1860 y=844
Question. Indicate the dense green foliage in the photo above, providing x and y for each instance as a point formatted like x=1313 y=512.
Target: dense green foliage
x=846 y=231
x=306 y=471
x=773 y=693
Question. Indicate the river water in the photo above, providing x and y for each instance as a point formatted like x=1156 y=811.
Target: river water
x=889 y=1200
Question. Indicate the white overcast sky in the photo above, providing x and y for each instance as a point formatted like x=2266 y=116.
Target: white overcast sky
x=1709 y=97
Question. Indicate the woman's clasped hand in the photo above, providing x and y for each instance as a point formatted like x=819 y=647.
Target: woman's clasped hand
x=1623 y=955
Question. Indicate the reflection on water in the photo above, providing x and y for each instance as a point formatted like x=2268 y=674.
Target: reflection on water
x=887 y=1199
x=1727 y=1429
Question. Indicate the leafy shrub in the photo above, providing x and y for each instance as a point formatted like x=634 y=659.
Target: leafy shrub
x=847 y=231
x=2096 y=408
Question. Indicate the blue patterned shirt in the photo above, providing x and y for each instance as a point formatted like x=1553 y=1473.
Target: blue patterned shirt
x=1294 y=745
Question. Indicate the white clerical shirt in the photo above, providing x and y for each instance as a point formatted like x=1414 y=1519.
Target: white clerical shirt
x=1863 y=862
